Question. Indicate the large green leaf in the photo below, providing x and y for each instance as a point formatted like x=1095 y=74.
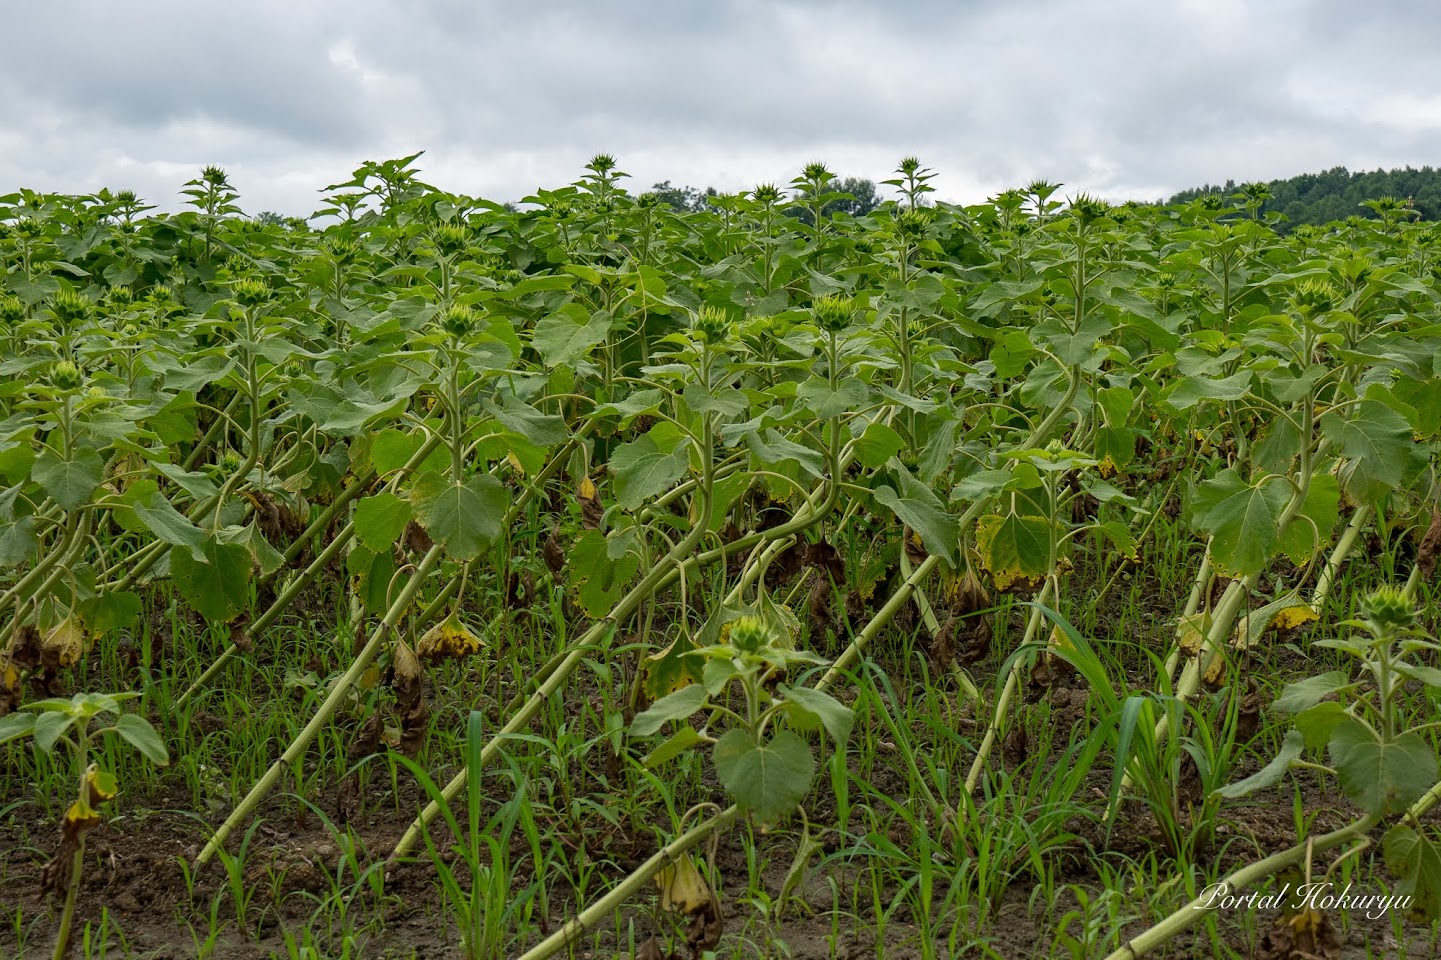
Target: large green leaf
x=151 y=510
x=1243 y=520
x=919 y=508
x=380 y=520
x=392 y=449
x=541 y=429
x=138 y=732
x=1310 y=530
x=374 y=577
x=568 y=335
x=674 y=706
x=1381 y=778
x=110 y=611
x=69 y=482
x=599 y=578
x=462 y=517
x=18 y=542
x=1414 y=860
x=1013 y=350
x=1190 y=391
x=823 y=708
x=772 y=449
x=877 y=445
x=1377 y=440
x=649 y=465
x=768 y=779
x=1302 y=694
x=816 y=395
x=217 y=586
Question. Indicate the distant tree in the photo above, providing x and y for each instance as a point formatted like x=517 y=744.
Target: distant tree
x=1335 y=194
x=683 y=199
x=860 y=198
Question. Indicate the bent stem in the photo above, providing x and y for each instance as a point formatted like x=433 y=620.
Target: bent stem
x=322 y=716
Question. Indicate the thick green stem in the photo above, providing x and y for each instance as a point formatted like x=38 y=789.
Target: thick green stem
x=576 y=927
x=1338 y=556
x=1193 y=912
x=1013 y=682
x=658 y=575
x=311 y=572
x=603 y=907
x=297 y=748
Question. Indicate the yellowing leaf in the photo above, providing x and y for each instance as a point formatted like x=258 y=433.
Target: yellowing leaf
x=1014 y=548
x=447 y=640
x=1215 y=671
x=1292 y=617
x=670 y=669
x=1191 y=632
x=682 y=888
x=586 y=490
x=101 y=785
x=1060 y=640
x=65 y=643
x=79 y=819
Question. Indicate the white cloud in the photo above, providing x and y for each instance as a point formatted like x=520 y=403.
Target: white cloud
x=1127 y=98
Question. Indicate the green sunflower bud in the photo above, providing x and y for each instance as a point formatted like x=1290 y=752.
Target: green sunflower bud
x=450 y=239
x=66 y=376
x=1314 y=298
x=250 y=292
x=458 y=320
x=834 y=312
x=342 y=249
x=767 y=193
x=749 y=634
x=712 y=324
x=70 y=307
x=1387 y=608
x=912 y=224
x=1087 y=209
x=12 y=310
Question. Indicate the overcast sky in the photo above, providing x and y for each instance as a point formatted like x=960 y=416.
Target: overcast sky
x=1125 y=98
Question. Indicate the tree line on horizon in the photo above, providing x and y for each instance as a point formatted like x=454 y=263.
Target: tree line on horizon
x=1313 y=198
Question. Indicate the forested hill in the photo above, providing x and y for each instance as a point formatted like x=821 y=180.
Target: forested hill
x=1338 y=193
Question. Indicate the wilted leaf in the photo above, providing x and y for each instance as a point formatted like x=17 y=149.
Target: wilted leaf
x=1271 y=773
x=450 y=639
x=64 y=644
x=682 y=888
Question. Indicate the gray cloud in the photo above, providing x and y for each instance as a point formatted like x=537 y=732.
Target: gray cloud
x=1127 y=98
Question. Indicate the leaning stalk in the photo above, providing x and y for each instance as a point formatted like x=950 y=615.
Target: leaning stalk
x=327 y=709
